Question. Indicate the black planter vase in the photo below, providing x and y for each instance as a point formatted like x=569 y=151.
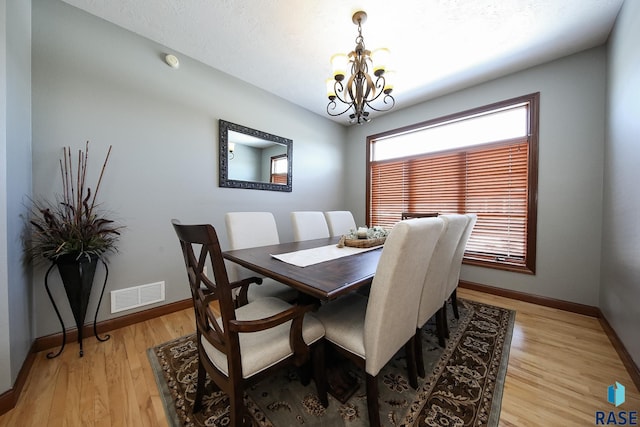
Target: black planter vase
x=77 y=277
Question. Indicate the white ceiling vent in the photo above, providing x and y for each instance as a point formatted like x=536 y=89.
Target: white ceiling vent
x=137 y=296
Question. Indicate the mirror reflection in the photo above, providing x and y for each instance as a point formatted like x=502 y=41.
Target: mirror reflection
x=253 y=159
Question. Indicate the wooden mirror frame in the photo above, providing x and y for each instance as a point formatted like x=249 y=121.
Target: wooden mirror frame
x=223 y=145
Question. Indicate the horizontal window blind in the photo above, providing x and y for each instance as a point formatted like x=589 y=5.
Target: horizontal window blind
x=489 y=181
x=279 y=178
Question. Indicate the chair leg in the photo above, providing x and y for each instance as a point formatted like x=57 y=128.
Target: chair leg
x=319 y=372
x=305 y=374
x=454 y=303
x=444 y=320
x=419 y=355
x=202 y=376
x=440 y=319
x=410 y=351
x=372 y=401
x=236 y=407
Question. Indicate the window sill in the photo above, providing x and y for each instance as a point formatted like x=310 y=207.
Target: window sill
x=500 y=265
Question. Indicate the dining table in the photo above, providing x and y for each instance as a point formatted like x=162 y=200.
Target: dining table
x=323 y=281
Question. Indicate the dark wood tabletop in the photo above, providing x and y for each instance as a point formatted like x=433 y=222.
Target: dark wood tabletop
x=325 y=281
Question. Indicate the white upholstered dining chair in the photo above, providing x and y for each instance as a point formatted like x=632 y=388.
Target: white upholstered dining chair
x=252 y=229
x=308 y=225
x=370 y=331
x=340 y=222
x=456 y=265
x=436 y=282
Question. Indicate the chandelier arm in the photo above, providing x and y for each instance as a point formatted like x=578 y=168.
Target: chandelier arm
x=381 y=81
x=370 y=88
x=386 y=100
x=372 y=100
x=338 y=89
x=349 y=90
x=379 y=88
x=332 y=106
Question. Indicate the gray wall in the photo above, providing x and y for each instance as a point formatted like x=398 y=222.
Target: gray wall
x=620 y=283
x=572 y=109
x=95 y=81
x=15 y=168
x=243 y=165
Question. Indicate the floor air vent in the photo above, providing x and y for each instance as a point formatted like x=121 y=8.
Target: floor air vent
x=137 y=296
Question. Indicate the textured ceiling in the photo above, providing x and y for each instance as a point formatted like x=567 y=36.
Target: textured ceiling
x=437 y=46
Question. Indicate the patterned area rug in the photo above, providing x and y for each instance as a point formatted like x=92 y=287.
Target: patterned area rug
x=463 y=386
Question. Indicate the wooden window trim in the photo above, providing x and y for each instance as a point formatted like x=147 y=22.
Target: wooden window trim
x=532 y=195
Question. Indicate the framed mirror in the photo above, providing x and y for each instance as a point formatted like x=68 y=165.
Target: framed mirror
x=253 y=159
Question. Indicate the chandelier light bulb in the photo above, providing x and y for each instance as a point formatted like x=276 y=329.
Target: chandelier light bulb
x=380 y=59
x=339 y=62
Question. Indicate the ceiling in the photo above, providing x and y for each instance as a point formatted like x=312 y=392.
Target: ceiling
x=437 y=46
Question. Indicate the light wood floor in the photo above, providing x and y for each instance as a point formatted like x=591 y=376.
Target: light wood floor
x=560 y=366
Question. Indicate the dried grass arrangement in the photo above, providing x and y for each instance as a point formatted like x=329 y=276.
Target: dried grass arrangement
x=74 y=225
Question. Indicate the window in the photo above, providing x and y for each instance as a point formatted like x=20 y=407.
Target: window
x=279 y=169
x=482 y=161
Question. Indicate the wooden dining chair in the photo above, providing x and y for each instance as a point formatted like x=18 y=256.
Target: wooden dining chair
x=370 y=331
x=436 y=282
x=308 y=225
x=454 y=274
x=244 y=344
x=252 y=229
x=340 y=222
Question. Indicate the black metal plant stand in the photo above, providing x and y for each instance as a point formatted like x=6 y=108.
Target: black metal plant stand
x=78 y=309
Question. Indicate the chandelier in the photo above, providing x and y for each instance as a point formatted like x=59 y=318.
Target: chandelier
x=361 y=89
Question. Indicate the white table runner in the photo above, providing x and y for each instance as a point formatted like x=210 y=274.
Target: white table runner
x=312 y=256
